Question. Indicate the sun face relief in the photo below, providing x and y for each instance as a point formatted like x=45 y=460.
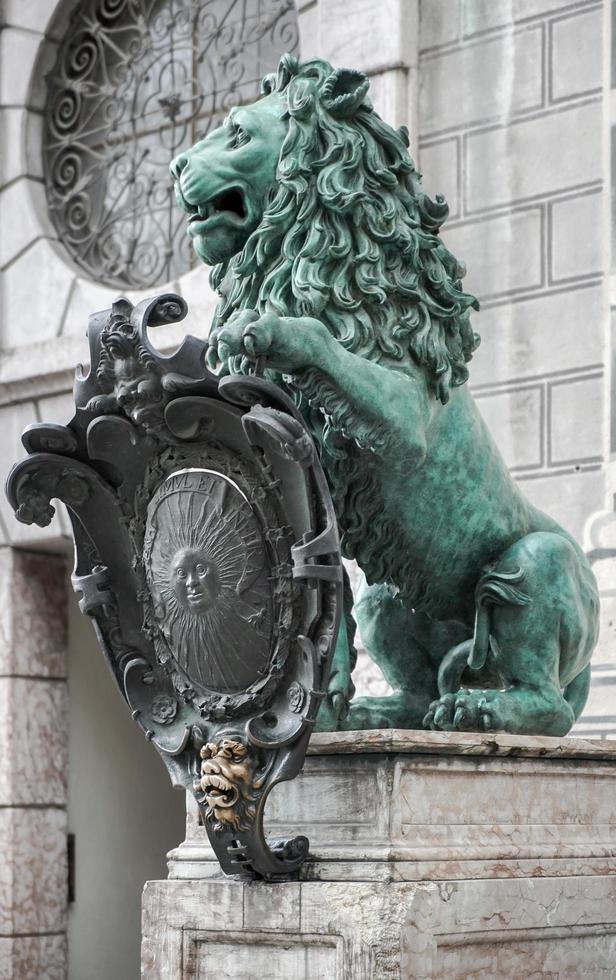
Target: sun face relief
x=207 y=569
x=195 y=580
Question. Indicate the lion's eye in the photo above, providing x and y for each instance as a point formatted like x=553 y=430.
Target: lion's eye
x=238 y=135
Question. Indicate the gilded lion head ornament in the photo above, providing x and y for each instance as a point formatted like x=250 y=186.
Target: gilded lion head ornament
x=228 y=784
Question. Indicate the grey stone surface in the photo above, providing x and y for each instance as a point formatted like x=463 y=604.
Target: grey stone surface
x=22 y=198
x=432 y=855
x=32 y=645
x=33 y=774
x=494 y=77
x=43 y=957
x=46 y=305
x=389 y=91
x=440 y=164
x=503 y=253
x=33 y=879
x=21 y=137
x=33 y=742
x=439 y=23
x=379 y=38
x=479 y=16
x=576 y=423
x=575 y=68
x=576 y=248
x=35 y=15
x=18 y=52
x=569 y=495
x=552 y=161
x=519 y=338
x=11 y=123
x=308 y=21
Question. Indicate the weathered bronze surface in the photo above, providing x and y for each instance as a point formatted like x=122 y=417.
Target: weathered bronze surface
x=207 y=556
x=481 y=611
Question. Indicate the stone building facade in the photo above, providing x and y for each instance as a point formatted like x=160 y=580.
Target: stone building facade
x=509 y=105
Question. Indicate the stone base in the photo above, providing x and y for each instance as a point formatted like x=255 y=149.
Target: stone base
x=432 y=855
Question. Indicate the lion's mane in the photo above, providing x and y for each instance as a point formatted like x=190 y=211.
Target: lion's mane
x=351 y=238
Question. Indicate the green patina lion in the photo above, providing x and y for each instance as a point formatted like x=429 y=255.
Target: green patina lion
x=481 y=611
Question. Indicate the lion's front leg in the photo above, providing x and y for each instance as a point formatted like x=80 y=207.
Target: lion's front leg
x=289 y=344
x=383 y=410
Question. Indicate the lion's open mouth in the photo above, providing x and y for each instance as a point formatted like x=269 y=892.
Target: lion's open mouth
x=218 y=790
x=230 y=203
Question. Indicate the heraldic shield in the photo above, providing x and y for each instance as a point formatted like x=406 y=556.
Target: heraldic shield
x=207 y=556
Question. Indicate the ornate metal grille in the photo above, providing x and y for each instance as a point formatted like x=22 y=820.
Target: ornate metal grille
x=136 y=81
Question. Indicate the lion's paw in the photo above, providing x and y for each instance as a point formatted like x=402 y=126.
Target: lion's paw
x=335 y=705
x=467 y=711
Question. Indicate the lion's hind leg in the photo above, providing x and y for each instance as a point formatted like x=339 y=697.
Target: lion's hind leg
x=538 y=633
x=403 y=645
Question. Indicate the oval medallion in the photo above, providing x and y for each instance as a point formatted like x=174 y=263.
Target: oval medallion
x=208 y=568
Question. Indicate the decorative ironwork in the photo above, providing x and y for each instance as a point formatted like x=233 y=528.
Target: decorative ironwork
x=135 y=82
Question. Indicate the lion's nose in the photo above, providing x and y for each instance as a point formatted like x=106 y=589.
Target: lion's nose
x=177 y=165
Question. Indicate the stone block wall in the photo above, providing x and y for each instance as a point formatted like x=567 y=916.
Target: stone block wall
x=33 y=776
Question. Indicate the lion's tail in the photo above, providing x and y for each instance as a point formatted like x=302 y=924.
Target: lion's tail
x=452 y=667
x=493 y=589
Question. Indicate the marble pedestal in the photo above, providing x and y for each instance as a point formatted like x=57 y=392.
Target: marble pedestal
x=432 y=856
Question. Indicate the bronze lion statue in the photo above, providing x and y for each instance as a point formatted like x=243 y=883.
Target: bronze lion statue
x=480 y=610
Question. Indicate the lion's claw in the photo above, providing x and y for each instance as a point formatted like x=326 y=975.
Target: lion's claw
x=469 y=710
x=339 y=704
x=459 y=718
x=441 y=716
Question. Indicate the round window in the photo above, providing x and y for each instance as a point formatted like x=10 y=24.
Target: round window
x=136 y=81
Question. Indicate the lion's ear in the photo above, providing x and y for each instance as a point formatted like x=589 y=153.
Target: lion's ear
x=344 y=91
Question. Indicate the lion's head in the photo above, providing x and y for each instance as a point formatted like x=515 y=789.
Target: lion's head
x=313 y=205
x=227 y=783
x=224 y=182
